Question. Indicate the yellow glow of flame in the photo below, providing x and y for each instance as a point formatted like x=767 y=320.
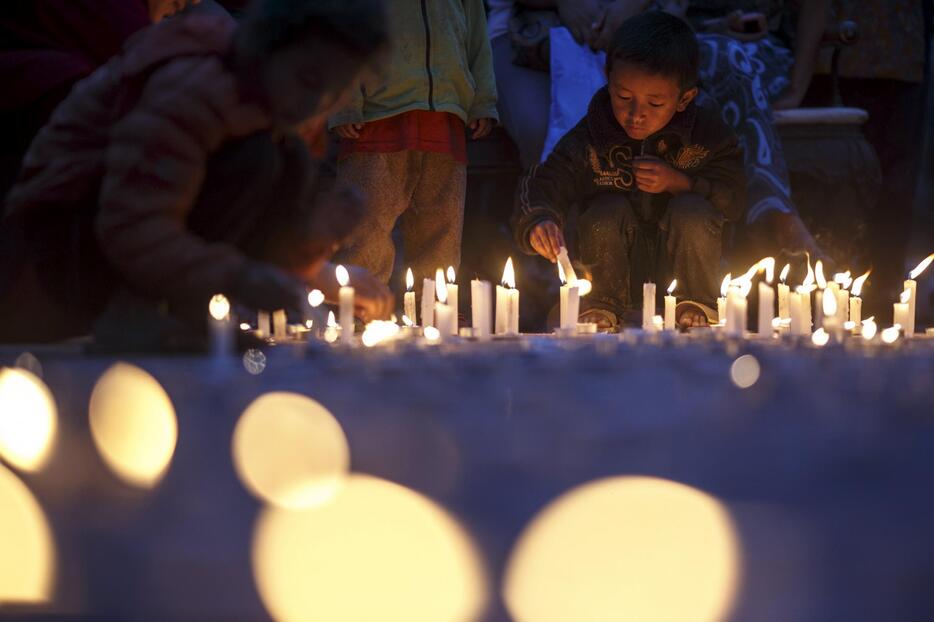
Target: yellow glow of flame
x=315 y=298
x=378 y=331
x=784 y=274
x=432 y=334
x=830 y=304
x=768 y=264
x=290 y=451
x=905 y=296
x=27 y=564
x=452 y=278
x=332 y=321
x=584 y=287
x=28 y=419
x=441 y=289
x=891 y=334
x=921 y=267
x=219 y=307
x=869 y=328
x=408 y=556
x=343 y=277
x=820 y=337
x=674 y=284
x=725 y=285
x=409 y=280
x=509 y=275
x=819 y=275
x=858 y=283
x=406 y=320
x=632 y=543
x=133 y=424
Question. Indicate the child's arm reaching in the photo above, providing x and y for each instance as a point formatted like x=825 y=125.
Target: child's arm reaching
x=482 y=112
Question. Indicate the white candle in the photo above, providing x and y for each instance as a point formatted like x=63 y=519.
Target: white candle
x=670 y=304
x=832 y=323
x=819 y=309
x=565 y=265
x=501 y=313
x=221 y=328
x=806 y=308
x=444 y=313
x=507 y=303
x=481 y=297
x=345 y=310
x=569 y=301
x=453 y=302
x=766 y=309
x=262 y=324
x=428 y=302
x=912 y=285
x=783 y=292
x=856 y=303
x=648 y=306
x=513 y=311
x=901 y=310
x=721 y=301
x=408 y=300
x=279 y=320
x=736 y=307
x=796 y=311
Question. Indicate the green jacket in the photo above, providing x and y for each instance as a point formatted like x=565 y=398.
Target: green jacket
x=440 y=61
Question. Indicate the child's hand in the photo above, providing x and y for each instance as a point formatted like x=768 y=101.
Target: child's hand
x=655 y=176
x=372 y=299
x=481 y=127
x=546 y=239
x=349 y=130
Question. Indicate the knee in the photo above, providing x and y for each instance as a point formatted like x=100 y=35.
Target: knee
x=691 y=214
x=606 y=216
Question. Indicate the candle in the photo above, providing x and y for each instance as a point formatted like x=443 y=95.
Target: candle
x=670 y=304
x=819 y=296
x=262 y=324
x=806 y=308
x=856 y=303
x=221 y=328
x=736 y=307
x=444 y=313
x=901 y=311
x=832 y=323
x=279 y=320
x=721 y=301
x=481 y=297
x=648 y=306
x=453 y=302
x=912 y=285
x=408 y=300
x=428 y=303
x=783 y=291
x=796 y=312
x=766 y=309
x=507 y=303
x=570 y=301
x=345 y=295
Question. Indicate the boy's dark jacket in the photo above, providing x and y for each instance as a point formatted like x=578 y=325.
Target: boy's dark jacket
x=595 y=157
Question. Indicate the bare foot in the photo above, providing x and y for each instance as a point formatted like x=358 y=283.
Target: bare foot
x=692 y=317
x=605 y=320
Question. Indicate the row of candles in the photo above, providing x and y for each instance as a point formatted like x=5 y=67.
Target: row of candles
x=837 y=307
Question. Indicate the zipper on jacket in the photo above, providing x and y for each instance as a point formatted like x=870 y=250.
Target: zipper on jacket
x=431 y=82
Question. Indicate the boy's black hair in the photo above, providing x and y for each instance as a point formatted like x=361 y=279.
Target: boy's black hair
x=660 y=43
x=360 y=26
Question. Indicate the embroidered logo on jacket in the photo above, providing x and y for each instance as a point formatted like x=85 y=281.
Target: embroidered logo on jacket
x=689 y=156
x=613 y=172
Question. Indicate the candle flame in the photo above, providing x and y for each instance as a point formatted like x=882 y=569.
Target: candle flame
x=768 y=264
x=843 y=279
x=921 y=267
x=784 y=274
x=584 y=287
x=820 y=337
x=452 y=278
x=809 y=279
x=441 y=288
x=219 y=307
x=858 y=283
x=905 y=296
x=563 y=277
x=432 y=334
x=332 y=321
x=890 y=334
x=674 y=284
x=309 y=324
x=378 y=331
x=819 y=274
x=244 y=326
x=869 y=328
x=725 y=285
x=407 y=321
x=830 y=304
x=343 y=277
x=409 y=280
x=849 y=325
x=315 y=297
x=509 y=275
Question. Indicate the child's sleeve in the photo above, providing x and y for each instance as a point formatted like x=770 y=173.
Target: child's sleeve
x=546 y=191
x=480 y=58
x=722 y=179
x=352 y=112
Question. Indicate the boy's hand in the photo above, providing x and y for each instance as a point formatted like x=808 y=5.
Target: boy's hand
x=481 y=127
x=655 y=176
x=546 y=239
x=349 y=130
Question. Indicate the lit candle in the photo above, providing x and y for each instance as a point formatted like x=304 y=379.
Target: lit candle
x=570 y=301
x=783 y=291
x=766 y=298
x=428 y=303
x=721 y=301
x=670 y=304
x=507 y=303
x=408 y=300
x=843 y=280
x=819 y=296
x=856 y=303
x=796 y=311
x=346 y=295
x=912 y=285
x=564 y=263
x=279 y=320
x=481 y=298
x=648 y=306
x=444 y=313
x=736 y=307
x=832 y=323
x=332 y=330
x=453 y=297
x=262 y=324
x=221 y=328
x=902 y=310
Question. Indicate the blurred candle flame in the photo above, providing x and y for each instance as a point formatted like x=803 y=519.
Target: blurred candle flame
x=441 y=289
x=725 y=284
x=674 y=284
x=509 y=275
x=768 y=264
x=830 y=304
x=819 y=275
x=820 y=336
x=869 y=328
x=921 y=267
x=332 y=321
x=219 y=307
x=409 y=280
x=859 y=282
x=452 y=278
x=315 y=298
x=905 y=296
x=343 y=277
x=784 y=274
